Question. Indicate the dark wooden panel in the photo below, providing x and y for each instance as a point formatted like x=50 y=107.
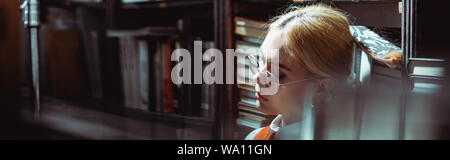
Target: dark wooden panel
x=9 y=66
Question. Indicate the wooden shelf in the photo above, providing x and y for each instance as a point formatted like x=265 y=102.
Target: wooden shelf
x=168 y=4
x=68 y=3
x=160 y=117
x=169 y=117
x=118 y=109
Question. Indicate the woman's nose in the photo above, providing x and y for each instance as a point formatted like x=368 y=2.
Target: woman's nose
x=262 y=78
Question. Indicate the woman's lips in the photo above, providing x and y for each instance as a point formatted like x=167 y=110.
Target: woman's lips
x=260 y=98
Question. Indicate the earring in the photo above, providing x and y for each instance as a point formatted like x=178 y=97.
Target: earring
x=329 y=98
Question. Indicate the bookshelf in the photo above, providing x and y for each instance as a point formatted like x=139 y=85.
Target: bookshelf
x=214 y=21
x=120 y=110
x=202 y=17
x=101 y=121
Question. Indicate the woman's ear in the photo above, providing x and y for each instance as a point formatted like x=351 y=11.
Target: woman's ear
x=322 y=90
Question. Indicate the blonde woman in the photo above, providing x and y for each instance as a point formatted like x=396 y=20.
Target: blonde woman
x=315 y=50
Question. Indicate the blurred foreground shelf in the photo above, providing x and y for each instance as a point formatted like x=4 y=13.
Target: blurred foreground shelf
x=95 y=119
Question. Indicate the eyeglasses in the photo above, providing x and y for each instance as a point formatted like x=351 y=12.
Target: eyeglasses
x=259 y=69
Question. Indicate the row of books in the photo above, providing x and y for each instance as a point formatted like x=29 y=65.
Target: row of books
x=146 y=66
x=61 y=73
x=249 y=37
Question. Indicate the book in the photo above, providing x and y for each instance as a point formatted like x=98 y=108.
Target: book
x=252 y=32
x=124 y=72
x=178 y=93
x=130 y=72
x=144 y=75
x=246 y=48
x=158 y=78
x=253 y=121
x=87 y=23
x=133 y=74
x=249 y=108
x=96 y=80
x=246 y=22
x=206 y=99
x=250 y=28
x=249 y=123
x=244 y=74
x=249 y=87
x=64 y=68
x=134 y=64
x=248 y=101
x=427 y=67
x=253 y=40
x=423 y=85
x=247 y=93
x=134 y=61
x=166 y=50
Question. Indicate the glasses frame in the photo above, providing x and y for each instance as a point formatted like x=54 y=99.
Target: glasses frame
x=255 y=68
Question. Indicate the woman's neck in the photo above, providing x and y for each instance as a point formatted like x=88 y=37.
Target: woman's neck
x=287 y=120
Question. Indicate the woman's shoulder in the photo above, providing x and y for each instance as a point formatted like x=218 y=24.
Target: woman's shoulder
x=253 y=134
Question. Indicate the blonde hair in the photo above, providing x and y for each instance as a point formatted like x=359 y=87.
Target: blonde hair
x=319 y=37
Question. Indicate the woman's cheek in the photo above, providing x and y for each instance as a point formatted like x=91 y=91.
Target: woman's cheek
x=283 y=100
x=291 y=99
x=278 y=101
x=272 y=106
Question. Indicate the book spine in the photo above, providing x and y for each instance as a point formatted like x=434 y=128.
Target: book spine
x=144 y=75
x=134 y=83
x=97 y=80
x=157 y=73
x=123 y=66
x=177 y=89
x=167 y=82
